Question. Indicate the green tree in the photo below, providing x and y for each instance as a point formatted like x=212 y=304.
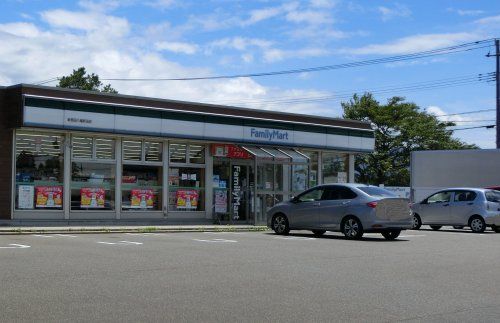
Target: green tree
x=400 y=128
x=79 y=79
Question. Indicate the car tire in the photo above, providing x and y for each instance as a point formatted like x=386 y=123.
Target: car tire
x=391 y=235
x=280 y=224
x=318 y=232
x=458 y=227
x=352 y=228
x=436 y=227
x=495 y=228
x=416 y=222
x=477 y=224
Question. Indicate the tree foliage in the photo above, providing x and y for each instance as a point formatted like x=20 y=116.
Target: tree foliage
x=400 y=128
x=79 y=79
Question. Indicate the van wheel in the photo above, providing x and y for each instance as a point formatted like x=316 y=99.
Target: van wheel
x=391 y=235
x=477 y=224
x=352 y=228
x=318 y=232
x=495 y=228
x=416 y=223
x=280 y=224
x=436 y=227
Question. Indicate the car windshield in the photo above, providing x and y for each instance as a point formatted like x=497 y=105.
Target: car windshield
x=376 y=191
x=492 y=196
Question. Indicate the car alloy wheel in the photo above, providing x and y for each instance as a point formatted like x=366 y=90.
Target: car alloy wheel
x=280 y=224
x=352 y=229
x=416 y=224
x=477 y=225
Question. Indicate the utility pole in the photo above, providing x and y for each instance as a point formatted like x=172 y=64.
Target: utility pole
x=497 y=78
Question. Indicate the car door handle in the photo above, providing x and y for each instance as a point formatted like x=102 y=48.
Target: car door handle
x=344 y=203
x=316 y=204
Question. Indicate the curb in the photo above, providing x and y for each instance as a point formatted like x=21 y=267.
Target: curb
x=15 y=231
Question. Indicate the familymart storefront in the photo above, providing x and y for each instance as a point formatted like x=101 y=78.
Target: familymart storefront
x=89 y=156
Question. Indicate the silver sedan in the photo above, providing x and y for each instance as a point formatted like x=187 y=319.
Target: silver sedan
x=349 y=208
x=459 y=207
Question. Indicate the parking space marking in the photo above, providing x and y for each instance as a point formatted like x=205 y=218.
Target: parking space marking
x=295 y=238
x=142 y=234
x=16 y=246
x=65 y=235
x=412 y=235
x=215 y=240
x=42 y=235
x=123 y=243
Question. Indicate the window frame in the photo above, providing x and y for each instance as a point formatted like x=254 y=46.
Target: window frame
x=94 y=155
x=143 y=153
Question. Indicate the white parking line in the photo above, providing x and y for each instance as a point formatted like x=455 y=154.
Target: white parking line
x=65 y=235
x=215 y=240
x=42 y=235
x=295 y=238
x=142 y=234
x=412 y=235
x=123 y=243
x=16 y=246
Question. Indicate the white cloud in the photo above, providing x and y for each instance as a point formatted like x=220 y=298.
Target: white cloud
x=274 y=55
x=398 y=10
x=65 y=45
x=469 y=12
x=162 y=4
x=239 y=43
x=326 y=4
x=488 y=20
x=313 y=17
x=413 y=44
x=177 y=47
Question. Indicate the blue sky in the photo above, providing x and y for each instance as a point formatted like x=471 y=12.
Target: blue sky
x=171 y=38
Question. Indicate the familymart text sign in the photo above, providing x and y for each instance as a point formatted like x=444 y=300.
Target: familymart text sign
x=268 y=135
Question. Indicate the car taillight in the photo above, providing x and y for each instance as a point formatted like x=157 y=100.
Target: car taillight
x=372 y=204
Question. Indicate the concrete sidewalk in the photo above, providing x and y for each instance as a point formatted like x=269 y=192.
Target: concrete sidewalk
x=129 y=228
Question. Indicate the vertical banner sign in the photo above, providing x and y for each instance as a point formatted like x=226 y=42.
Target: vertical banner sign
x=49 y=196
x=92 y=198
x=236 y=192
x=26 y=197
x=141 y=199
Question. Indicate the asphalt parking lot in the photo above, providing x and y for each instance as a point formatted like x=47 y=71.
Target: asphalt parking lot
x=449 y=275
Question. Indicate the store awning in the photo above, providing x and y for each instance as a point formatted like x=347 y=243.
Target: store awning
x=277 y=154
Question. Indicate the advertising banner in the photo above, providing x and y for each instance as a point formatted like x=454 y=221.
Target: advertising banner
x=230 y=151
x=187 y=199
x=141 y=199
x=92 y=198
x=220 y=201
x=49 y=196
x=26 y=197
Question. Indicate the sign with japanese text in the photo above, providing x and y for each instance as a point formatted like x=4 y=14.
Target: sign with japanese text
x=187 y=199
x=49 y=196
x=92 y=198
x=230 y=151
x=141 y=199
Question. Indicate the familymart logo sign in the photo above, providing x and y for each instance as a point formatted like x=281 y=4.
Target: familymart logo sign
x=271 y=135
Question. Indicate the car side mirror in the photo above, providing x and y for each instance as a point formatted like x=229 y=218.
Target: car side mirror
x=295 y=199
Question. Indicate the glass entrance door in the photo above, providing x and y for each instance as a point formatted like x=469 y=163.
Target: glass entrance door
x=242 y=188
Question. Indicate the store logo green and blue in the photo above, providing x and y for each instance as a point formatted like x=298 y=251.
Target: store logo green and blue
x=269 y=134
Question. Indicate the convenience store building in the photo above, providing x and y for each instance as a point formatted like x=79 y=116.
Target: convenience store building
x=78 y=155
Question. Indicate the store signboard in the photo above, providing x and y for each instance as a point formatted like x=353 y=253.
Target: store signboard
x=187 y=199
x=49 y=196
x=26 y=197
x=229 y=151
x=133 y=124
x=236 y=192
x=92 y=197
x=141 y=198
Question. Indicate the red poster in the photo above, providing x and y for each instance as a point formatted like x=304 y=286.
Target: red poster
x=92 y=198
x=230 y=151
x=141 y=199
x=49 y=196
x=187 y=199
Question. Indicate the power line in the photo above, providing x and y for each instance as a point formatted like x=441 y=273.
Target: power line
x=490 y=126
x=468 y=112
x=459 y=121
x=423 y=54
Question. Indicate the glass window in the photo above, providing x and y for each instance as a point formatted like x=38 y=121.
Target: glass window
x=177 y=153
x=153 y=151
x=376 y=191
x=259 y=153
x=82 y=147
x=278 y=155
x=186 y=189
x=265 y=177
x=338 y=193
x=92 y=186
x=464 y=196
x=196 y=154
x=335 y=167
x=441 y=197
x=296 y=157
x=142 y=187
x=492 y=196
x=39 y=171
x=313 y=164
x=105 y=148
x=132 y=150
x=299 y=177
x=312 y=195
